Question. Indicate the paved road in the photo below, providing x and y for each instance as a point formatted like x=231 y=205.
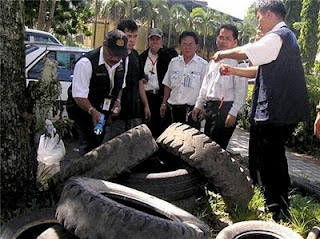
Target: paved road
x=300 y=165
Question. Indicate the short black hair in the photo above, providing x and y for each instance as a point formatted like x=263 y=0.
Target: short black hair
x=189 y=34
x=127 y=25
x=230 y=27
x=275 y=6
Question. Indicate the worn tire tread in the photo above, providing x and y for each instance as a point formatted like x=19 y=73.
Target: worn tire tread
x=214 y=163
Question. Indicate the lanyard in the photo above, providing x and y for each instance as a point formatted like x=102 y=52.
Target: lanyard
x=153 y=63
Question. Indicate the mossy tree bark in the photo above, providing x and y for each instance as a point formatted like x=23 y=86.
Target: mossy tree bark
x=18 y=158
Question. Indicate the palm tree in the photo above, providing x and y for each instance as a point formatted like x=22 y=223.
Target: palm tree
x=204 y=22
x=248 y=27
x=179 y=19
x=144 y=11
x=162 y=13
x=115 y=10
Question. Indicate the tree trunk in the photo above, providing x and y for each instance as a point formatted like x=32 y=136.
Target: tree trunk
x=18 y=161
x=169 y=35
x=51 y=15
x=42 y=15
x=95 y=24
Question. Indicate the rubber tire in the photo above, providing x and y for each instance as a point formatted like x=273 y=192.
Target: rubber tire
x=314 y=233
x=56 y=232
x=188 y=204
x=214 y=163
x=311 y=188
x=169 y=186
x=257 y=228
x=169 y=180
x=86 y=212
x=20 y=224
x=110 y=159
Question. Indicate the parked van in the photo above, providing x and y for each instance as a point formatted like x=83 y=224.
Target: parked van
x=36 y=36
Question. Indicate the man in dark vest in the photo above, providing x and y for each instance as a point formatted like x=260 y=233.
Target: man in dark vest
x=279 y=101
x=155 y=61
x=96 y=88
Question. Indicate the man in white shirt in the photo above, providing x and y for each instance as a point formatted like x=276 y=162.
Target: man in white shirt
x=224 y=96
x=96 y=88
x=279 y=102
x=182 y=82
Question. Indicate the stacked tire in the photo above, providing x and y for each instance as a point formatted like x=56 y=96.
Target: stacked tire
x=211 y=161
x=165 y=177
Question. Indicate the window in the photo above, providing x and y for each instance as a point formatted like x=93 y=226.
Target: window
x=38 y=37
x=66 y=62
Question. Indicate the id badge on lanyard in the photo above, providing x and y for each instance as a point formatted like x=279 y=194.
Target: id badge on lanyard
x=107 y=100
x=106 y=104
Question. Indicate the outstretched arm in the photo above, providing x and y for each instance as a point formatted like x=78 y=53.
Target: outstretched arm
x=234 y=53
x=249 y=72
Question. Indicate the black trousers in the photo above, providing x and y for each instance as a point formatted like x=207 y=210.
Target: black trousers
x=88 y=140
x=268 y=163
x=179 y=113
x=154 y=123
x=215 y=122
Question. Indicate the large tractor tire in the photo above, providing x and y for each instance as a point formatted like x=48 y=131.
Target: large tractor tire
x=211 y=161
x=92 y=208
x=111 y=158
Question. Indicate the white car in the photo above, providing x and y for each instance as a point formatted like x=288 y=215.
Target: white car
x=36 y=36
x=65 y=56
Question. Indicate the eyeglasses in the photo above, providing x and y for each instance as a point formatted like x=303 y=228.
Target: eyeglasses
x=222 y=38
x=187 y=44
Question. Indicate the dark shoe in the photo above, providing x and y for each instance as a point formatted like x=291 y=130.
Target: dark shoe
x=279 y=213
x=282 y=215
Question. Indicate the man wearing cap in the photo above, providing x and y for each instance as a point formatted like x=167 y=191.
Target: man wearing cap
x=96 y=88
x=155 y=61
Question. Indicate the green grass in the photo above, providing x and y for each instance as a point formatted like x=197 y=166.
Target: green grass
x=304 y=211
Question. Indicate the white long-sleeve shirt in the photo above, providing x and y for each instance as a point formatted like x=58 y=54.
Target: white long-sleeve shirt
x=229 y=88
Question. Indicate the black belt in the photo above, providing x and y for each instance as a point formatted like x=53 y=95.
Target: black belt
x=185 y=106
x=154 y=92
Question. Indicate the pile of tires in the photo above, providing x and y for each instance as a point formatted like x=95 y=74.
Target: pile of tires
x=91 y=207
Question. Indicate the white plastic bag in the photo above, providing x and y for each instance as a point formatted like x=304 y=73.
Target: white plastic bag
x=51 y=151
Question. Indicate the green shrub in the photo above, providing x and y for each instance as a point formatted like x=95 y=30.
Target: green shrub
x=303 y=140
